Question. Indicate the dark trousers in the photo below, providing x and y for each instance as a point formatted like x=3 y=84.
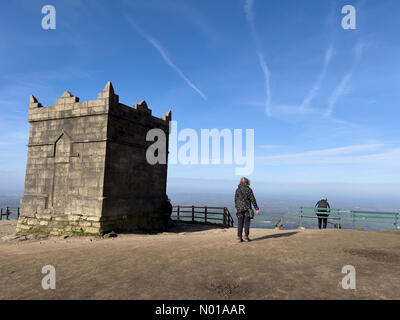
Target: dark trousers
x=322 y=219
x=243 y=221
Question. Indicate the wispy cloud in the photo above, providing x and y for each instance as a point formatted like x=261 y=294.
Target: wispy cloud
x=330 y=152
x=339 y=91
x=14 y=138
x=343 y=87
x=358 y=50
x=156 y=44
x=267 y=76
x=304 y=108
x=249 y=13
x=356 y=154
x=269 y=146
x=194 y=16
x=314 y=90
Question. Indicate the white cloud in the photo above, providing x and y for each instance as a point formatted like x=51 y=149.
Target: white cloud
x=314 y=90
x=343 y=87
x=269 y=146
x=355 y=154
x=358 y=50
x=156 y=44
x=249 y=13
x=14 y=138
x=341 y=90
x=267 y=76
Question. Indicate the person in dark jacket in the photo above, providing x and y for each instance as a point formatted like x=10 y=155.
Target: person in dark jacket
x=166 y=209
x=244 y=198
x=323 y=216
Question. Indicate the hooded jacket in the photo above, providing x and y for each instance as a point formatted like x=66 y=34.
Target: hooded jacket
x=323 y=204
x=244 y=198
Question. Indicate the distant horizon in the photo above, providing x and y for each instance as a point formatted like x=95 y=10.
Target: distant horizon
x=225 y=186
x=272 y=208
x=371 y=195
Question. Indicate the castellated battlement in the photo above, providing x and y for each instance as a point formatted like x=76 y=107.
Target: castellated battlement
x=87 y=171
x=68 y=106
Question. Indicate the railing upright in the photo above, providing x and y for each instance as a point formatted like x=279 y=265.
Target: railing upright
x=224 y=217
x=230 y=220
x=7 y=213
x=206 y=215
x=301 y=217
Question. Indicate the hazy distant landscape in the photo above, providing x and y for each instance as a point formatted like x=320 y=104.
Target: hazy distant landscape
x=9 y=201
x=273 y=207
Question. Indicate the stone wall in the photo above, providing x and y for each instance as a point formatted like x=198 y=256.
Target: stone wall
x=86 y=170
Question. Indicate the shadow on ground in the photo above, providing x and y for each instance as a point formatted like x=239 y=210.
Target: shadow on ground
x=274 y=236
x=178 y=227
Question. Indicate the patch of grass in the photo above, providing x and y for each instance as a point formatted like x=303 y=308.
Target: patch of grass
x=46 y=231
x=37 y=230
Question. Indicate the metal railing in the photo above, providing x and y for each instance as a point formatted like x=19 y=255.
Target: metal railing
x=9 y=211
x=207 y=215
x=312 y=213
x=355 y=216
x=374 y=216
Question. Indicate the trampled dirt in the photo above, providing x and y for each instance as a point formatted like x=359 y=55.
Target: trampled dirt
x=198 y=262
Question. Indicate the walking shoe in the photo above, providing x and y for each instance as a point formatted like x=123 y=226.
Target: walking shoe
x=247 y=239
x=239 y=239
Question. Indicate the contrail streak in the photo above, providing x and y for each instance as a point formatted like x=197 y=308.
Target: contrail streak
x=314 y=90
x=156 y=44
x=249 y=12
x=342 y=88
x=267 y=76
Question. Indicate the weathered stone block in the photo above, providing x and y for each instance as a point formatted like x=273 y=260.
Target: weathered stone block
x=32 y=222
x=86 y=168
x=91 y=230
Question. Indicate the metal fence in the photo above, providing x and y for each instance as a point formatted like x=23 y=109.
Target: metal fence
x=207 y=215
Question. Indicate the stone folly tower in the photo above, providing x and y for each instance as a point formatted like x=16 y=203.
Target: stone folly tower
x=86 y=170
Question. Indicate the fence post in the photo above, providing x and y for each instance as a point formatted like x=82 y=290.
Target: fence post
x=231 y=224
x=205 y=214
x=224 y=221
x=229 y=217
x=177 y=214
x=192 y=213
x=395 y=220
x=7 y=213
x=301 y=217
x=18 y=212
x=1 y=213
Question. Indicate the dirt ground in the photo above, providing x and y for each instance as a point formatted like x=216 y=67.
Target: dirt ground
x=197 y=262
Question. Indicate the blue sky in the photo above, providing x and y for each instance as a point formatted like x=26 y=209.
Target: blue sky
x=323 y=101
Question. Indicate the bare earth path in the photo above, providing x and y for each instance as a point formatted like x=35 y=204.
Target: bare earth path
x=204 y=263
